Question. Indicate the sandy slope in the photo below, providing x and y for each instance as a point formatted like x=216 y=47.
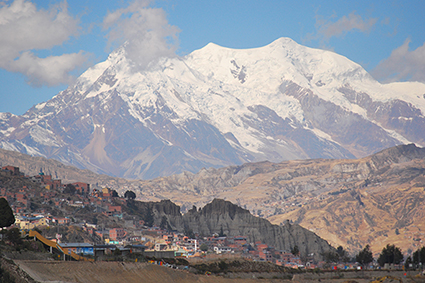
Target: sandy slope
x=105 y=272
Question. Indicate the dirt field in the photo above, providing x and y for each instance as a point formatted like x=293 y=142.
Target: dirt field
x=105 y=272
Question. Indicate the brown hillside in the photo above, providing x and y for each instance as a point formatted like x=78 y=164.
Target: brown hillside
x=347 y=202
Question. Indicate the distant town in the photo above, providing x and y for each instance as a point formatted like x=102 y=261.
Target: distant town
x=130 y=233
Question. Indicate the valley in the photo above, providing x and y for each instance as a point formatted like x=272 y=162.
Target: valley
x=374 y=200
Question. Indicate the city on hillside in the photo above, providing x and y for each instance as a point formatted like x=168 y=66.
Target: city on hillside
x=94 y=223
x=48 y=206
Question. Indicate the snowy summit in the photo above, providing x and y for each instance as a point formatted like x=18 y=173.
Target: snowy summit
x=218 y=106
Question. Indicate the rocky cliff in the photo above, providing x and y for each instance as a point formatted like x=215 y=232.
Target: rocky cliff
x=232 y=220
x=223 y=216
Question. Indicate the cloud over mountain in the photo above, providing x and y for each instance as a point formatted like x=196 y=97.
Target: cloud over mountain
x=24 y=28
x=403 y=64
x=144 y=30
x=352 y=22
x=28 y=33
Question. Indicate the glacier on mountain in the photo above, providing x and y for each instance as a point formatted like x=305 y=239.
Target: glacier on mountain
x=219 y=106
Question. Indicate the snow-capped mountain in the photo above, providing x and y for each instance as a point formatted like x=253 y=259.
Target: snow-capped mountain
x=218 y=106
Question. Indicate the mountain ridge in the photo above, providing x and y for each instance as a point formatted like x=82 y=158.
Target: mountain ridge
x=217 y=107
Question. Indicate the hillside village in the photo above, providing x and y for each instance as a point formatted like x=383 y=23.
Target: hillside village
x=45 y=204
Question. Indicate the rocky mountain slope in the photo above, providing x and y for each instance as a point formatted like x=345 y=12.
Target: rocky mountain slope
x=374 y=200
x=223 y=216
x=217 y=107
x=234 y=221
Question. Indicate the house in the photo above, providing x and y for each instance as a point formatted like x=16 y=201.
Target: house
x=24 y=224
x=160 y=246
x=217 y=240
x=240 y=240
x=14 y=171
x=265 y=255
x=82 y=188
x=106 y=192
x=22 y=198
x=220 y=250
x=117 y=234
x=113 y=210
x=61 y=220
x=43 y=221
x=286 y=257
x=262 y=246
x=49 y=183
x=168 y=238
x=134 y=238
x=48 y=196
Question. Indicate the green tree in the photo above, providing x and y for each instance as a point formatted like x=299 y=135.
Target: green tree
x=221 y=234
x=69 y=189
x=342 y=254
x=189 y=232
x=390 y=254
x=115 y=194
x=330 y=256
x=203 y=247
x=130 y=195
x=419 y=256
x=295 y=250
x=14 y=236
x=6 y=214
x=407 y=263
x=364 y=257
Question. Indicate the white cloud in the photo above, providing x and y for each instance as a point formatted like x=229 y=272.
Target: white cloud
x=50 y=70
x=402 y=64
x=325 y=29
x=145 y=30
x=343 y=25
x=23 y=29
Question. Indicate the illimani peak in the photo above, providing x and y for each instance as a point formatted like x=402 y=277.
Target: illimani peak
x=215 y=107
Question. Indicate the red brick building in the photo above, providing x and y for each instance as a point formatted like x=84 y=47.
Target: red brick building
x=117 y=234
x=82 y=188
x=14 y=170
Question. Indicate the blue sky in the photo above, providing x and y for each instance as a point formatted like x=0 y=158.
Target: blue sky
x=46 y=44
